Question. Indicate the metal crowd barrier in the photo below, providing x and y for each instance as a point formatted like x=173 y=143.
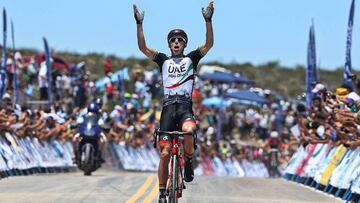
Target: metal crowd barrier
x=332 y=169
x=27 y=156
x=146 y=158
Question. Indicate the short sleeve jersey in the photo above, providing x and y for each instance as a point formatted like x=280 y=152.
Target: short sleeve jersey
x=178 y=73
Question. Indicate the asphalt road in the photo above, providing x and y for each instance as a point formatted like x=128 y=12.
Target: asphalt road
x=110 y=186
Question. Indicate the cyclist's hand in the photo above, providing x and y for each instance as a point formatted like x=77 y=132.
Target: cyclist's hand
x=208 y=11
x=138 y=17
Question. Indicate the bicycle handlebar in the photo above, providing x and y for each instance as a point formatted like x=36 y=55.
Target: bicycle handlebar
x=175 y=132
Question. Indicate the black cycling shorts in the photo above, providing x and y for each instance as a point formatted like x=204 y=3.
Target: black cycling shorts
x=172 y=118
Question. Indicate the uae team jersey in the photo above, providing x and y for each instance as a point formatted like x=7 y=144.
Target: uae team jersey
x=178 y=73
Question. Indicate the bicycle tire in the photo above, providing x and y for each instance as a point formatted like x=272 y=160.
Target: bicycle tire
x=173 y=181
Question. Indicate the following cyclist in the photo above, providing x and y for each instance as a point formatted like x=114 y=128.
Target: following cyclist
x=273 y=143
x=178 y=74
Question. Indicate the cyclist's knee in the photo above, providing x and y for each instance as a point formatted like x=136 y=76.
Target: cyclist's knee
x=189 y=126
x=165 y=155
x=165 y=152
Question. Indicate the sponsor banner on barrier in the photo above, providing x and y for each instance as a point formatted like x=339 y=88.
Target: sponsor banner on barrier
x=30 y=153
x=339 y=154
x=330 y=166
x=146 y=158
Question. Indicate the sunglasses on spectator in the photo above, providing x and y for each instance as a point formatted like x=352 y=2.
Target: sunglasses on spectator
x=179 y=39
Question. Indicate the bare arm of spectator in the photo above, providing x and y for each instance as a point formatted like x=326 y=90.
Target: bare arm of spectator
x=112 y=135
x=65 y=125
x=62 y=136
x=38 y=124
x=6 y=118
x=3 y=119
x=53 y=132
x=343 y=113
x=5 y=126
x=40 y=134
x=344 y=137
x=352 y=144
x=317 y=141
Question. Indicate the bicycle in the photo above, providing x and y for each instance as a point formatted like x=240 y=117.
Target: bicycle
x=175 y=183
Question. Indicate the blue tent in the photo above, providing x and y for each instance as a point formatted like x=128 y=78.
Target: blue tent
x=225 y=77
x=246 y=95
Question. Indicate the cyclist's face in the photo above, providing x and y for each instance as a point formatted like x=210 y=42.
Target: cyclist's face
x=177 y=46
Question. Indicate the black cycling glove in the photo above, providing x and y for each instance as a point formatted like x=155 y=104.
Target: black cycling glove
x=139 y=17
x=208 y=13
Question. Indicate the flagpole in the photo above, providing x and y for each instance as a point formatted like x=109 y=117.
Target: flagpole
x=48 y=65
x=16 y=87
x=313 y=54
x=3 y=65
x=309 y=71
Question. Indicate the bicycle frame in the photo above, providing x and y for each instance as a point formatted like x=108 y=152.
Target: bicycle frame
x=175 y=183
x=177 y=155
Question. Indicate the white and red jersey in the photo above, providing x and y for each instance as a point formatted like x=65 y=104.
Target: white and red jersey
x=178 y=73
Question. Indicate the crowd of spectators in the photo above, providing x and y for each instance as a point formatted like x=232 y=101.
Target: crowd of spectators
x=333 y=117
x=132 y=112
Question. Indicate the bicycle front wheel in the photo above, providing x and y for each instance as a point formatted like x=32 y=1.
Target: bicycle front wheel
x=174 y=180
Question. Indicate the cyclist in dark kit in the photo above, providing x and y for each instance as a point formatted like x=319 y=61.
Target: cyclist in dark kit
x=178 y=74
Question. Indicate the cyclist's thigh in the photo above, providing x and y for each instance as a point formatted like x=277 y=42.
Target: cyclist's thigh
x=185 y=114
x=167 y=123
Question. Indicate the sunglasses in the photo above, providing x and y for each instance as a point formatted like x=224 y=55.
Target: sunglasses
x=179 y=39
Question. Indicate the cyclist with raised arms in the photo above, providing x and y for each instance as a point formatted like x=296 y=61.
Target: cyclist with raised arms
x=178 y=74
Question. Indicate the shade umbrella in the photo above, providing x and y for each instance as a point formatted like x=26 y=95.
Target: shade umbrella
x=225 y=77
x=214 y=102
x=247 y=95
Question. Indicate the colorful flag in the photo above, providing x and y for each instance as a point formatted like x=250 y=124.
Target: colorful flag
x=3 y=64
x=48 y=65
x=347 y=67
x=313 y=54
x=311 y=71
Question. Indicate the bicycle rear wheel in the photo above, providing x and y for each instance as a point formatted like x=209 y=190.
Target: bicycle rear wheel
x=173 y=180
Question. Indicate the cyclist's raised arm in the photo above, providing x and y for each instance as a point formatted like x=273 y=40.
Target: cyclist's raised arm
x=140 y=34
x=208 y=13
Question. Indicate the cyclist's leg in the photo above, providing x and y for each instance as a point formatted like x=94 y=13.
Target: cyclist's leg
x=167 y=123
x=188 y=125
x=163 y=170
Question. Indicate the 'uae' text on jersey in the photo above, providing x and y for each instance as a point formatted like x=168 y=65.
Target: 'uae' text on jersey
x=178 y=73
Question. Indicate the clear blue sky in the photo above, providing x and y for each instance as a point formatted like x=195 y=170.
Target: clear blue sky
x=253 y=31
